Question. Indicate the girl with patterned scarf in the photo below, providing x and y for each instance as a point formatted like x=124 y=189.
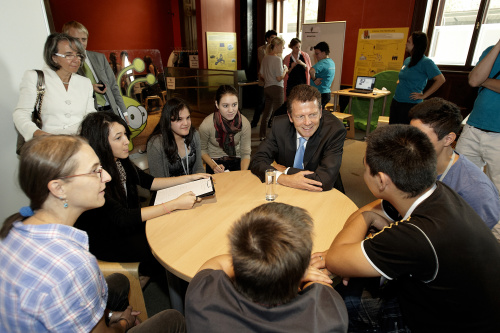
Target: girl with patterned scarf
x=225 y=135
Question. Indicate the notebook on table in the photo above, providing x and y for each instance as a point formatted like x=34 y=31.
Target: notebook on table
x=364 y=85
x=201 y=188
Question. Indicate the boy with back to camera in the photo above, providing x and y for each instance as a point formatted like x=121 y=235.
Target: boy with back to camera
x=266 y=283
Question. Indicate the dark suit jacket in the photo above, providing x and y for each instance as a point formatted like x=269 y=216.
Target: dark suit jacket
x=323 y=153
x=105 y=74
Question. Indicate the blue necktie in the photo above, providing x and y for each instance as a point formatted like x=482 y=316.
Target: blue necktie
x=298 y=162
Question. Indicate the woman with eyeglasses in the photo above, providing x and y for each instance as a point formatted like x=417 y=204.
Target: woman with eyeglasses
x=117 y=230
x=49 y=282
x=68 y=97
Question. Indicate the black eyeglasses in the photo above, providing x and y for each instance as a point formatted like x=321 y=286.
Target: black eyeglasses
x=69 y=56
x=97 y=172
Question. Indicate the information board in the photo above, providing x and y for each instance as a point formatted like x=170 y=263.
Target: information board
x=221 y=50
x=379 y=50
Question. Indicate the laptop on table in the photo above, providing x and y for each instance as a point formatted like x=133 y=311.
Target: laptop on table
x=364 y=85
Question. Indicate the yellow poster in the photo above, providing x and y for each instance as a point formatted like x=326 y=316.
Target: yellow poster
x=379 y=50
x=221 y=50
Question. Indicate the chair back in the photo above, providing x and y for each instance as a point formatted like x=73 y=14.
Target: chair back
x=360 y=106
x=131 y=271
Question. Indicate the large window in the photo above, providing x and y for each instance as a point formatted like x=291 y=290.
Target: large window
x=290 y=15
x=460 y=30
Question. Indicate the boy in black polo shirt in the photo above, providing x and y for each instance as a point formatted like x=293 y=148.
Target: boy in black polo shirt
x=440 y=258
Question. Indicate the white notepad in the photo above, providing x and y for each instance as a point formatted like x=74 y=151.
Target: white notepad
x=201 y=188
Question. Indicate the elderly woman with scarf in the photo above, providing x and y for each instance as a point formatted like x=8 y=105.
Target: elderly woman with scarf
x=225 y=135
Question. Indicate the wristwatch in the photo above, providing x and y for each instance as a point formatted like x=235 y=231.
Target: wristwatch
x=107 y=319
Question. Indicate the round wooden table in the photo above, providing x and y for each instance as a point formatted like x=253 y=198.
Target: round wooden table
x=184 y=240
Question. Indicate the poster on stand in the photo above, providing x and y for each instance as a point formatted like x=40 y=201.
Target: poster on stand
x=221 y=50
x=333 y=33
x=379 y=50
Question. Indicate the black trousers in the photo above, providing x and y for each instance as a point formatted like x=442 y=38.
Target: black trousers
x=118 y=290
x=232 y=164
x=399 y=112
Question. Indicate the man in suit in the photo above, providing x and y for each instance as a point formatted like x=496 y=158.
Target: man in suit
x=305 y=146
x=107 y=95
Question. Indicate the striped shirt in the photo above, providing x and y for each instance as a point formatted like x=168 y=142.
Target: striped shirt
x=49 y=281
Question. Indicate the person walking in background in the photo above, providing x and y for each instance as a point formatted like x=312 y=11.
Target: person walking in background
x=416 y=71
x=480 y=139
x=261 y=53
x=323 y=72
x=273 y=72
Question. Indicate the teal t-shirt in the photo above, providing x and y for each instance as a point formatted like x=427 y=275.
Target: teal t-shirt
x=413 y=79
x=325 y=69
x=485 y=114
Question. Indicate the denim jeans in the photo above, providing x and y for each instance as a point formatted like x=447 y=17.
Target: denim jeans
x=371 y=308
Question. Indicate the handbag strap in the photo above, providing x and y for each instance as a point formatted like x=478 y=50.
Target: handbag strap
x=40 y=91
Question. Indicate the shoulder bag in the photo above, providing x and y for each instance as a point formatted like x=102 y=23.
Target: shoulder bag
x=36 y=115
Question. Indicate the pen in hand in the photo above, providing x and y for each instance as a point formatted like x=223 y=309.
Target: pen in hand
x=218 y=167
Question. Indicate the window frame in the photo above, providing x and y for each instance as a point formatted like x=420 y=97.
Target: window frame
x=277 y=15
x=437 y=11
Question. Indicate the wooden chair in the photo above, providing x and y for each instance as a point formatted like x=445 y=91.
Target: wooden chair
x=131 y=271
x=348 y=118
x=382 y=121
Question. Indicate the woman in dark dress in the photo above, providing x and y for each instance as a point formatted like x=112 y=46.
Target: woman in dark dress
x=117 y=230
x=299 y=65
